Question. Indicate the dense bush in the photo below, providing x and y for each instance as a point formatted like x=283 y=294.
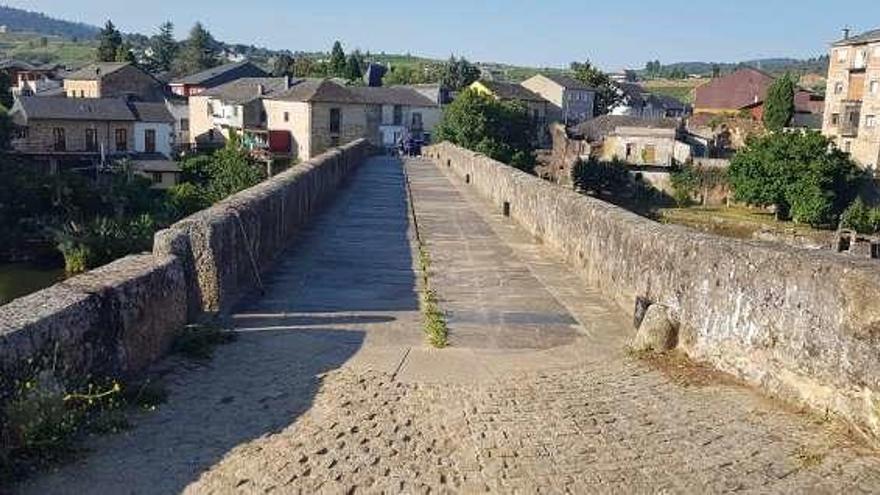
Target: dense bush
x=861 y=218
x=689 y=180
x=801 y=174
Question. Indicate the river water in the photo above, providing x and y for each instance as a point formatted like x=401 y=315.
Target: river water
x=21 y=279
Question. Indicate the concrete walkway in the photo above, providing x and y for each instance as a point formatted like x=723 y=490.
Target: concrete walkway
x=331 y=388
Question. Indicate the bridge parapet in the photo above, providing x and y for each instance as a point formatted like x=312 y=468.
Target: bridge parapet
x=804 y=325
x=116 y=320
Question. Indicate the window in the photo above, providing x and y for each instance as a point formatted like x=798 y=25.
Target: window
x=184 y=124
x=150 y=140
x=874 y=87
x=157 y=177
x=334 y=141
x=287 y=116
x=335 y=120
x=630 y=151
x=838 y=88
x=121 y=140
x=871 y=121
x=398 y=115
x=841 y=55
x=847 y=146
x=59 y=140
x=82 y=94
x=835 y=119
x=91 y=140
x=416 y=120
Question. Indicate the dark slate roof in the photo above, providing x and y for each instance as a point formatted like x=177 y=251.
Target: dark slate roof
x=15 y=64
x=319 y=90
x=568 y=82
x=222 y=74
x=596 y=129
x=392 y=95
x=151 y=112
x=866 y=37
x=510 y=91
x=94 y=72
x=247 y=89
x=40 y=107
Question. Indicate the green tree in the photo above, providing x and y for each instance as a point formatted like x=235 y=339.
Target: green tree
x=338 y=62
x=199 y=51
x=283 y=65
x=109 y=41
x=501 y=130
x=164 y=48
x=353 y=71
x=779 y=106
x=458 y=74
x=125 y=54
x=608 y=95
x=801 y=174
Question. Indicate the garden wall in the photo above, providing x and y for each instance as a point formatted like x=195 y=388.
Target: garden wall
x=803 y=325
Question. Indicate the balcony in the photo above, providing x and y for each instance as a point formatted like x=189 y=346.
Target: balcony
x=850 y=117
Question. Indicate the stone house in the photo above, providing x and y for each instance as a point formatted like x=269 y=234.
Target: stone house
x=852 y=105
x=536 y=106
x=636 y=101
x=642 y=143
x=113 y=80
x=237 y=106
x=571 y=101
x=405 y=112
x=67 y=132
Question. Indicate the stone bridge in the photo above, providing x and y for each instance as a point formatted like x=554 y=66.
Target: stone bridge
x=332 y=388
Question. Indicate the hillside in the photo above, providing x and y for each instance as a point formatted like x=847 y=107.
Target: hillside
x=775 y=66
x=18 y=20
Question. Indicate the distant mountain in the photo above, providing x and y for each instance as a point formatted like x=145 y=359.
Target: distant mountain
x=18 y=20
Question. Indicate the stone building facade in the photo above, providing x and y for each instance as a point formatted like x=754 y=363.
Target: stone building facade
x=571 y=101
x=113 y=80
x=852 y=101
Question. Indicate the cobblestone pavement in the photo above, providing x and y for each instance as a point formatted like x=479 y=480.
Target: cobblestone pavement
x=330 y=388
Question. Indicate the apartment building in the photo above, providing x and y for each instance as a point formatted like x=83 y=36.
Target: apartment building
x=852 y=101
x=572 y=101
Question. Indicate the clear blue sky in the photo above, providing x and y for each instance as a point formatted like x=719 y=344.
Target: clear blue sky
x=613 y=34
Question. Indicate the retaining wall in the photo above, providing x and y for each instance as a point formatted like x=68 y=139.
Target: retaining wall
x=116 y=320
x=803 y=325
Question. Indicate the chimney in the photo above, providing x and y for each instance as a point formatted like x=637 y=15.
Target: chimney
x=846 y=31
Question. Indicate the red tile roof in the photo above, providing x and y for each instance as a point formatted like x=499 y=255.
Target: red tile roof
x=741 y=89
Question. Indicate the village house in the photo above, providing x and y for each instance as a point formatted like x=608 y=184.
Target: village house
x=195 y=84
x=113 y=80
x=30 y=80
x=636 y=101
x=852 y=105
x=571 y=101
x=66 y=132
x=405 y=113
x=742 y=93
x=536 y=106
x=85 y=133
x=237 y=107
x=655 y=144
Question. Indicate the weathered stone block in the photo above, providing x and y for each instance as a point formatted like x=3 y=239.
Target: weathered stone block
x=657 y=331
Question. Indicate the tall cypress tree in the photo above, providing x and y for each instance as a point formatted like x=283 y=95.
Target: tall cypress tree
x=337 y=60
x=199 y=52
x=109 y=42
x=164 y=48
x=779 y=105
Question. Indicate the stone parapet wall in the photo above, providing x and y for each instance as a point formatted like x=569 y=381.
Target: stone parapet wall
x=115 y=321
x=225 y=247
x=110 y=322
x=803 y=325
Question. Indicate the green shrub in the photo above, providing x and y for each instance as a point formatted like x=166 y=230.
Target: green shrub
x=860 y=218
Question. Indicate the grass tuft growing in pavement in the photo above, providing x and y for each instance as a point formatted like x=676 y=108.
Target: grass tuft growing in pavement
x=435 y=320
